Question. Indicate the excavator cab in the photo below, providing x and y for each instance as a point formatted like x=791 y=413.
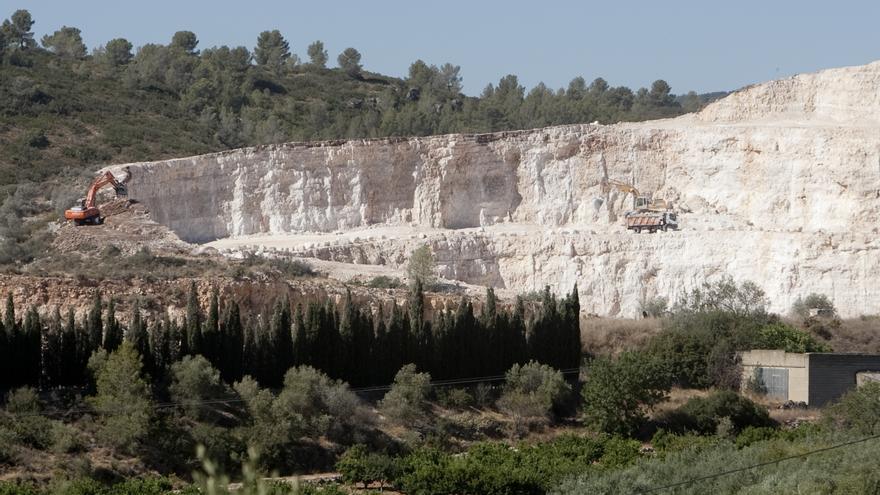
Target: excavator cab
x=642 y=202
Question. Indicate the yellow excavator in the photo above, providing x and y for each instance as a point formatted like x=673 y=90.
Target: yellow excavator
x=648 y=213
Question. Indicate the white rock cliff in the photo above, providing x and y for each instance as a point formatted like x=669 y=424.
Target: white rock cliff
x=778 y=183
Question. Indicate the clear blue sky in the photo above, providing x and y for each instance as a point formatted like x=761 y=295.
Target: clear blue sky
x=699 y=45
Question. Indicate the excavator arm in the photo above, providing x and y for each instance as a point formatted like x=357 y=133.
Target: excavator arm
x=101 y=181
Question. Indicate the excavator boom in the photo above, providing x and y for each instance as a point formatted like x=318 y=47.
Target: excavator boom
x=87 y=211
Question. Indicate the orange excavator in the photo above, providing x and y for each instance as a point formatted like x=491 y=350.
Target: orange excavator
x=87 y=212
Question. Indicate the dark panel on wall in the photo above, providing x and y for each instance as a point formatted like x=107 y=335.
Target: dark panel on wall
x=832 y=375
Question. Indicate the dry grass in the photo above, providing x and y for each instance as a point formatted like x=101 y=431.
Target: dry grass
x=677 y=397
x=611 y=336
x=857 y=335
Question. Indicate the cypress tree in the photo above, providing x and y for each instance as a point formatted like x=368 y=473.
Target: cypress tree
x=379 y=352
x=211 y=331
x=282 y=338
x=5 y=357
x=112 y=329
x=193 y=322
x=71 y=368
x=249 y=349
x=51 y=359
x=9 y=317
x=31 y=341
x=233 y=344
x=346 y=350
x=301 y=339
x=94 y=327
x=518 y=333
x=137 y=335
x=160 y=350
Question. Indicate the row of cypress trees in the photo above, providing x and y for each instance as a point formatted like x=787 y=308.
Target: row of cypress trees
x=346 y=341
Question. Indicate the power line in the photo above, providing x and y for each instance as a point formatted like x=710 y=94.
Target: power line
x=220 y=400
x=759 y=465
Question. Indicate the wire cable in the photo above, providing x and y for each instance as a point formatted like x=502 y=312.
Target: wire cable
x=759 y=465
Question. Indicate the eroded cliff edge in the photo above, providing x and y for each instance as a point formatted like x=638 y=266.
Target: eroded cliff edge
x=779 y=184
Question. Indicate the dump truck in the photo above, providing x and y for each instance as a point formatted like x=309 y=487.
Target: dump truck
x=648 y=213
x=651 y=221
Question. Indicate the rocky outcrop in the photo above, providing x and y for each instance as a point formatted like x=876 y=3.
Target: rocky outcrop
x=778 y=183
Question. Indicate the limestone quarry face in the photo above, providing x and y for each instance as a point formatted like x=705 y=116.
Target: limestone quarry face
x=778 y=183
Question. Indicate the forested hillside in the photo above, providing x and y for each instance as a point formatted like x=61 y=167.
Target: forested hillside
x=64 y=107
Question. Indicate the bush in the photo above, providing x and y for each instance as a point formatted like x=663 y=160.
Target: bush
x=195 y=381
x=532 y=392
x=407 y=401
x=654 y=308
x=24 y=420
x=456 y=398
x=858 y=410
x=320 y=405
x=703 y=414
x=359 y=466
x=383 y=282
x=66 y=439
x=617 y=392
x=801 y=307
x=787 y=338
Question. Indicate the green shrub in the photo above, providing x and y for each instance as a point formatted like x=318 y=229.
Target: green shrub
x=788 y=338
x=456 y=397
x=754 y=434
x=665 y=441
x=702 y=414
x=66 y=439
x=23 y=418
x=194 y=381
x=801 y=307
x=407 y=400
x=8 y=441
x=617 y=392
x=533 y=390
x=359 y=466
x=846 y=470
x=858 y=410
x=383 y=282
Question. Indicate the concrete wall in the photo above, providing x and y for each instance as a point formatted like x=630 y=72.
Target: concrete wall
x=797 y=365
x=832 y=375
